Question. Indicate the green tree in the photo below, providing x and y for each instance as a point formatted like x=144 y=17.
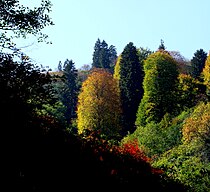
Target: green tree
x=96 y=54
x=104 y=56
x=159 y=85
x=143 y=54
x=130 y=83
x=198 y=63
x=69 y=91
x=190 y=91
x=99 y=106
x=188 y=163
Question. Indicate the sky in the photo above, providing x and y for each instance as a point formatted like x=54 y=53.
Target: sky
x=183 y=25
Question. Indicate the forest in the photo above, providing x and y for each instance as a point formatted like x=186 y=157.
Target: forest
x=135 y=120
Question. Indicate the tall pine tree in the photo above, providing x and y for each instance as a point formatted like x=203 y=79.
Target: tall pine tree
x=70 y=90
x=103 y=55
x=198 y=63
x=130 y=83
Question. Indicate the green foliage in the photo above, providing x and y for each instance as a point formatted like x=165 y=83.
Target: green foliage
x=198 y=63
x=189 y=163
x=143 y=54
x=57 y=110
x=104 y=56
x=156 y=138
x=184 y=164
x=70 y=90
x=99 y=107
x=130 y=83
x=159 y=88
x=190 y=91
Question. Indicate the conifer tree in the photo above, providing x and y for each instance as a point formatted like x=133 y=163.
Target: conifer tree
x=104 y=56
x=198 y=62
x=70 y=90
x=161 y=46
x=130 y=83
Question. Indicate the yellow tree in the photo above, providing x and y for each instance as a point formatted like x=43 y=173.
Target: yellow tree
x=206 y=74
x=197 y=126
x=99 y=107
x=117 y=68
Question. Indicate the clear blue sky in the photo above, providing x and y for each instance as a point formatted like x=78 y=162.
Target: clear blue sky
x=182 y=24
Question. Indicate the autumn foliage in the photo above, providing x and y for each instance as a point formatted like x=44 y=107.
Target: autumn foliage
x=197 y=126
x=99 y=104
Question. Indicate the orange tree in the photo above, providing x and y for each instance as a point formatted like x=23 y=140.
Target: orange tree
x=99 y=106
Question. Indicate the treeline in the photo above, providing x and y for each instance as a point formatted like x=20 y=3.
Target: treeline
x=137 y=120
x=158 y=99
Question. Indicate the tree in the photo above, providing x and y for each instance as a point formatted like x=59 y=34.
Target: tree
x=130 y=83
x=198 y=63
x=60 y=68
x=112 y=57
x=70 y=90
x=99 y=106
x=96 y=54
x=143 y=54
x=116 y=74
x=22 y=21
x=196 y=126
x=103 y=56
x=190 y=91
x=206 y=75
x=182 y=62
x=25 y=88
x=159 y=88
x=161 y=46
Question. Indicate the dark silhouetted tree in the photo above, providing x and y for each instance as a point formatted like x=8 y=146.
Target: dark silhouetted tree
x=198 y=63
x=161 y=46
x=104 y=56
x=70 y=90
x=22 y=21
x=130 y=83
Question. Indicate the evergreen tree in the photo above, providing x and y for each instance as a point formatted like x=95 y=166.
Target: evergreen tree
x=130 y=83
x=60 y=68
x=96 y=54
x=112 y=57
x=159 y=85
x=198 y=62
x=104 y=56
x=161 y=46
x=70 y=90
